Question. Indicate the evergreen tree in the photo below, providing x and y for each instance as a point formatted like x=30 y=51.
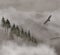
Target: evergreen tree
x=29 y=33
x=13 y=28
x=12 y=31
x=17 y=31
x=3 y=22
x=8 y=25
x=17 y=28
x=22 y=31
x=25 y=33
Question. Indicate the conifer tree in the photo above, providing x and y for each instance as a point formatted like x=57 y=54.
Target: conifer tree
x=13 y=28
x=17 y=31
x=3 y=22
x=25 y=33
x=22 y=31
x=29 y=33
x=8 y=25
x=12 y=31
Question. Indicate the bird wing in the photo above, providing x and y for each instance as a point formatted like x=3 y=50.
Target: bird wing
x=47 y=19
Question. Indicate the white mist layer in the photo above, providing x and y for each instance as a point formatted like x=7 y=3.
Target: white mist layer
x=10 y=48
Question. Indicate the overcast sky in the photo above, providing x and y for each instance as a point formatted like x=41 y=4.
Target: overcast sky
x=31 y=5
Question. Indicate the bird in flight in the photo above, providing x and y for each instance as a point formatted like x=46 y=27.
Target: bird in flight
x=48 y=19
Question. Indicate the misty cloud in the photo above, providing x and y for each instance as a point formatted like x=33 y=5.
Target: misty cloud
x=11 y=48
x=31 y=5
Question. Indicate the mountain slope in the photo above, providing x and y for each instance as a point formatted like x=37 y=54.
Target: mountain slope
x=33 y=21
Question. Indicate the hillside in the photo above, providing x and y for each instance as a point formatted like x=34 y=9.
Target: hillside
x=33 y=21
x=47 y=35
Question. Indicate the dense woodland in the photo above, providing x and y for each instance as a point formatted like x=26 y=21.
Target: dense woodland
x=17 y=31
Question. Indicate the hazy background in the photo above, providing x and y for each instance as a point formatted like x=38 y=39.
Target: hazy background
x=31 y=5
x=31 y=14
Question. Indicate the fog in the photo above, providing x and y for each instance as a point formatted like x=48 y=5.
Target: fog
x=31 y=15
x=31 y=5
x=10 y=48
x=31 y=21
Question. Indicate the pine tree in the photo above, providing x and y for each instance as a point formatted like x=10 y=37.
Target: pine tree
x=12 y=31
x=13 y=28
x=3 y=22
x=25 y=33
x=8 y=25
x=29 y=33
x=17 y=31
x=22 y=31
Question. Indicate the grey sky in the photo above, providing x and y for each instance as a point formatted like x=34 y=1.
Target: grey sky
x=31 y=5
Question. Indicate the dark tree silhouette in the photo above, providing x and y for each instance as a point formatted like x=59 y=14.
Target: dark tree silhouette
x=25 y=33
x=29 y=33
x=3 y=22
x=17 y=31
x=22 y=31
x=13 y=29
x=8 y=25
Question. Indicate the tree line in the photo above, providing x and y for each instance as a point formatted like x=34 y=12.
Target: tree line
x=15 y=30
